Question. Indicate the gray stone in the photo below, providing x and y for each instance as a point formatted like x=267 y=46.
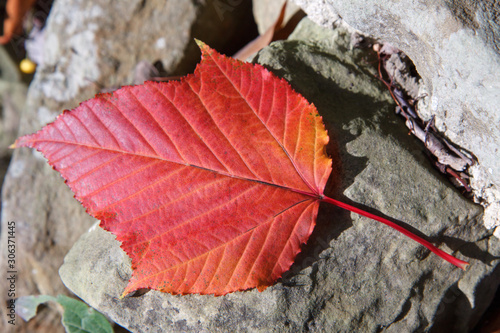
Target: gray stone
x=89 y=45
x=455 y=46
x=354 y=274
x=8 y=69
x=12 y=102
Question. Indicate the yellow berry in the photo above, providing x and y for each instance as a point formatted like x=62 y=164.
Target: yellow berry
x=27 y=66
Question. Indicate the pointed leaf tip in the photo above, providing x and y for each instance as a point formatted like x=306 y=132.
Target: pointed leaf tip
x=204 y=48
x=202 y=45
x=22 y=141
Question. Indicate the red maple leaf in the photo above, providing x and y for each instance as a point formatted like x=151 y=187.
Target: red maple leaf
x=211 y=184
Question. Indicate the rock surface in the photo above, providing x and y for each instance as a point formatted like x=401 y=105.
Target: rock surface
x=354 y=274
x=12 y=102
x=455 y=46
x=91 y=45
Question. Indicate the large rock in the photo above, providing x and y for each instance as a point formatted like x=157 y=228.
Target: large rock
x=91 y=45
x=455 y=46
x=354 y=274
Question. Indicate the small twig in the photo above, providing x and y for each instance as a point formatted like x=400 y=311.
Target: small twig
x=458 y=178
x=398 y=95
x=458 y=152
x=449 y=159
x=430 y=124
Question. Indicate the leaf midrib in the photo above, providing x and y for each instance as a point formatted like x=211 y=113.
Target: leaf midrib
x=270 y=132
x=118 y=151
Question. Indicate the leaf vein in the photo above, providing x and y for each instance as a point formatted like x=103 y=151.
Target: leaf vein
x=289 y=236
x=196 y=257
x=225 y=136
x=100 y=120
x=187 y=122
x=116 y=181
x=205 y=212
x=265 y=125
x=123 y=114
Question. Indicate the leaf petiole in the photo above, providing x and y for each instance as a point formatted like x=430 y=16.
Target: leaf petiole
x=451 y=259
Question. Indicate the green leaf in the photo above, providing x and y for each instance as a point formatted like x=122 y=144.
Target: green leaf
x=77 y=316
